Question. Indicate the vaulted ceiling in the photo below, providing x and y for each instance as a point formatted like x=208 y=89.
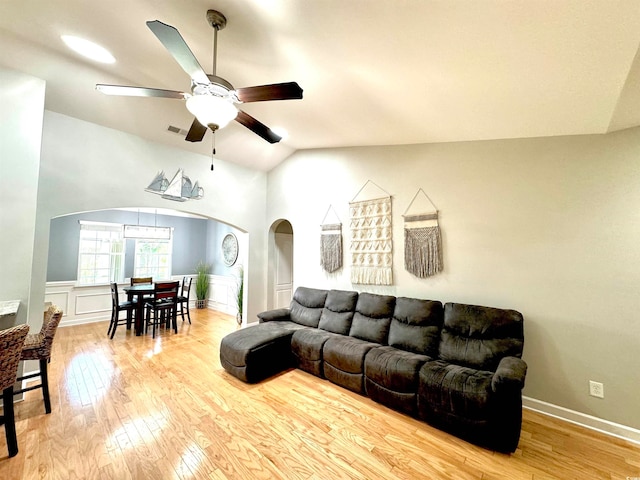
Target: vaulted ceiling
x=374 y=72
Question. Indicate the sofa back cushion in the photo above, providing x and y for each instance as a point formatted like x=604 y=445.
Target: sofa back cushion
x=338 y=311
x=415 y=326
x=306 y=306
x=478 y=337
x=372 y=318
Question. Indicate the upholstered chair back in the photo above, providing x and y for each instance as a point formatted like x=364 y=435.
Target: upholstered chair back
x=306 y=306
x=478 y=337
x=338 y=311
x=416 y=325
x=372 y=318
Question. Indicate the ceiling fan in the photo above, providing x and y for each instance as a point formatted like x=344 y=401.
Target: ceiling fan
x=212 y=99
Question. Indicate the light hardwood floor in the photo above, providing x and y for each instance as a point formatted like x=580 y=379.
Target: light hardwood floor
x=137 y=408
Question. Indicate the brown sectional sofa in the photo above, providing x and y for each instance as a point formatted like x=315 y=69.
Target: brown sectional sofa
x=457 y=367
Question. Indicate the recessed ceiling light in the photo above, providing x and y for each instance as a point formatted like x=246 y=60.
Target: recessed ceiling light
x=88 y=49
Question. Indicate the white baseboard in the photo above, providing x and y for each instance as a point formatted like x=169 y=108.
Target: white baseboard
x=582 y=419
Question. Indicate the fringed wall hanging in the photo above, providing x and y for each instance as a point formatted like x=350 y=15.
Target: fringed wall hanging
x=422 y=241
x=331 y=243
x=371 y=239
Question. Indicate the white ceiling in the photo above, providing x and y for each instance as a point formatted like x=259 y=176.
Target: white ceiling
x=374 y=72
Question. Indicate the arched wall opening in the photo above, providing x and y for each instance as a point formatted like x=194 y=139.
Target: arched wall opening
x=280 y=264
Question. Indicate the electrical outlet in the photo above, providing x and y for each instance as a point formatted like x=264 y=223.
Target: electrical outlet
x=596 y=389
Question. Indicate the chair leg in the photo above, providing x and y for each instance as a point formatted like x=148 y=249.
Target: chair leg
x=114 y=323
x=110 y=323
x=182 y=310
x=44 y=377
x=188 y=314
x=10 y=421
x=174 y=318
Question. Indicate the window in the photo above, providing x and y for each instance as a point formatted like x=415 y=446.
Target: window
x=153 y=259
x=100 y=254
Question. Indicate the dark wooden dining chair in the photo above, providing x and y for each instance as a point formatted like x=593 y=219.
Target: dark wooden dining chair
x=138 y=281
x=183 y=298
x=37 y=346
x=116 y=307
x=162 y=307
x=11 y=342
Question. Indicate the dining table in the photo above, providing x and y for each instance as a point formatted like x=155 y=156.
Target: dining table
x=136 y=293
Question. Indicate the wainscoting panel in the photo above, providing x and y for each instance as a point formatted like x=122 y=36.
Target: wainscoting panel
x=93 y=303
x=86 y=304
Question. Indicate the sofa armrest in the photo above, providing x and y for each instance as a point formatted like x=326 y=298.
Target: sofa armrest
x=509 y=374
x=280 y=314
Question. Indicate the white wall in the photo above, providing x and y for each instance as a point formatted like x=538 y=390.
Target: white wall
x=549 y=227
x=21 y=117
x=88 y=167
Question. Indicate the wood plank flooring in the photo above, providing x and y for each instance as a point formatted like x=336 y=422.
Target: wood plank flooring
x=138 y=408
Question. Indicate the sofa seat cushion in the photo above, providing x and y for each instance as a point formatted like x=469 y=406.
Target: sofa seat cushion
x=344 y=361
x=446 y=388
x=255 y=353
x=306 y=346
x=394 y=369
x=391 y=377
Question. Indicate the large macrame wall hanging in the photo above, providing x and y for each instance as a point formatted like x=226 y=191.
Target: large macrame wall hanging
x=331 y=243
x=371 y=240
x=422 y=240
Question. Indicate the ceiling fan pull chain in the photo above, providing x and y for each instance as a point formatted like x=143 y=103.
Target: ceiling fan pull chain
x=213 y=149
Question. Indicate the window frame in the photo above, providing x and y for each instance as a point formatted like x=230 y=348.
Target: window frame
x=115 y=257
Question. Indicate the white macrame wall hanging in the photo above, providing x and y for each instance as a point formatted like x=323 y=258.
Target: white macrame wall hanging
x=422 y=240
x=331 y=242
x=371 y=244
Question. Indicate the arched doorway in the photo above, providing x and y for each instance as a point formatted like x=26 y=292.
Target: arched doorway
x=280 y=275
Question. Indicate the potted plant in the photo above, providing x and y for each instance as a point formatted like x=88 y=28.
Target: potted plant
x=239 y=293
x=202 y=284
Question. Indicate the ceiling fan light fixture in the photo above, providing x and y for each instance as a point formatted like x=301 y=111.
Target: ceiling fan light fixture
x=211 y=110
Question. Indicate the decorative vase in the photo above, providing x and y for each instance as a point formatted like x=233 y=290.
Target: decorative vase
x=239 y=318
x=201 y=303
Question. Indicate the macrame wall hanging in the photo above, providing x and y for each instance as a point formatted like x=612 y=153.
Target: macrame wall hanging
x=371 y=238
x=331 y=242
x=422 y=241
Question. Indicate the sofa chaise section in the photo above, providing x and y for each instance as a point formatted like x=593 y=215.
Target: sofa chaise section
x=260 y=351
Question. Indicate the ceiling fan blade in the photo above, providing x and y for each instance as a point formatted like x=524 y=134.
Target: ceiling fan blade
x=178 y=48
x=139 y=91
x=196 y=132
x=276 y=91
x=257 y=127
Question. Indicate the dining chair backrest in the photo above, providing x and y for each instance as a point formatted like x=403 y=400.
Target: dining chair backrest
x=186 y=286
x=137 y=280
x=114 y=295
x=165 y=291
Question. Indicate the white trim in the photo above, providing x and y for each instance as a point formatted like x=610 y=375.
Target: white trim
x=582 y=419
